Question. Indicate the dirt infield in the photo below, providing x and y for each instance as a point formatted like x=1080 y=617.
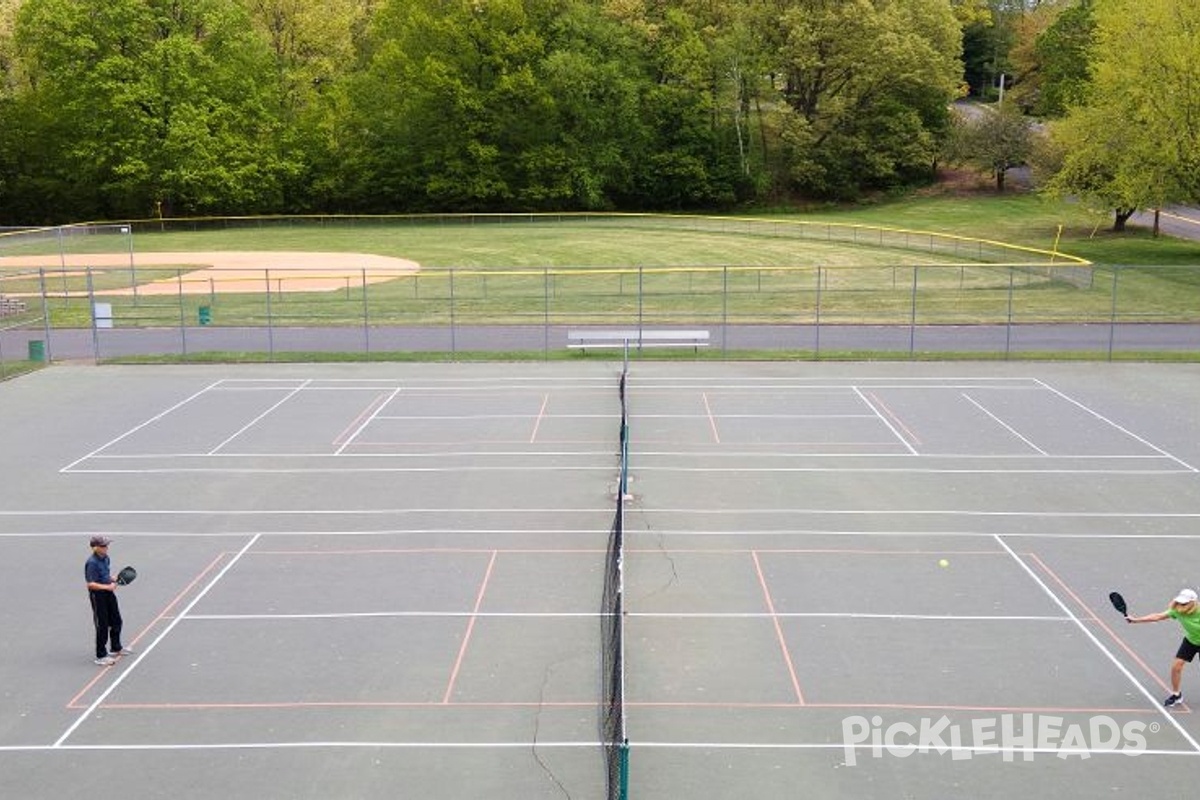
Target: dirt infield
x=236 y=271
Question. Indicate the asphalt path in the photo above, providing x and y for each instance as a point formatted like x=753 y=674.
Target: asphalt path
x=1182 y=222
x=75 y=344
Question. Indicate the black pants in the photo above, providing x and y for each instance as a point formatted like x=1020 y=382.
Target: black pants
x=107 y=616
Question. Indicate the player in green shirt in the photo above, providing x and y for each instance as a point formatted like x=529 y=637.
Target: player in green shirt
x=1186 y=610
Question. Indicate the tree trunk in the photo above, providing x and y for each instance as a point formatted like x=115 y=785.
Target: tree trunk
x=1157 y=215
x=1000 y=173
x=1120 y=217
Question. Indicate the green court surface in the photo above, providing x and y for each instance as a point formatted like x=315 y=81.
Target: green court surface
x=385 y=581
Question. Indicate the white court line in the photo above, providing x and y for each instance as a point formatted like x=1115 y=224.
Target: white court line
x=889 y=455
x=639 y=416
x=257 y=419
x=1002 y=423
x=741 y=532
x=734 y=512
x=703 y=512
x=519 y=381
x=885 y=421
x=525 y=745
x=926 y=533
x=439 y=454
x=598 y=531
x=292 y=746
x=125 y=673
x=308 y=512
x=838 y=389
x=253 y=618
x=892 y=512
x=490 y=416
x=1123 y=430
x=132 y=431
x=367 y=421
x=849 y=615
x=865 y=470
x=831 y=383
x=643 y=614
x=360 y=465
x=1163 y=712
x=931 y=751
x=334 y=470
x=767 y=416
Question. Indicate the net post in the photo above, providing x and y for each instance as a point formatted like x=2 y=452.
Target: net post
x=624 y=762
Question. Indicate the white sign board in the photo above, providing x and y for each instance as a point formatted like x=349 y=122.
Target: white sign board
x=102 y=313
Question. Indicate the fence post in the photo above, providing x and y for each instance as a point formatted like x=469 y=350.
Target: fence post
x=725 y=310
x=62 y=260
x=546 y=313
x=182 y=315
x=912 y=319
x=817 y=342
x=46 y=311
x=453 y=339
x=92 y=306
x=128 y=231
x=641 y=302
x=270 y=319
x=365 y=314
x=1008 y=326
x=1112 y=315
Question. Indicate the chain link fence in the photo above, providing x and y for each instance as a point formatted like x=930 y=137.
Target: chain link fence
x=974 y=298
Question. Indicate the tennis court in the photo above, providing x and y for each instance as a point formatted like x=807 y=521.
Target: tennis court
x=400 y=580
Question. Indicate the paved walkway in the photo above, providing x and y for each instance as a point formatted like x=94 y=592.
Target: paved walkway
x=1025 y=339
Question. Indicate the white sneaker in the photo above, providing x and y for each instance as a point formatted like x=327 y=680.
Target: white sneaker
x=107 y=661
x=124 y=651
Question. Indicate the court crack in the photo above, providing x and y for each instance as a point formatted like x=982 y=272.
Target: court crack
x=537 y=727
x=660 y=545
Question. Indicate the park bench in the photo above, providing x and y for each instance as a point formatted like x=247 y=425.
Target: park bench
x=585 y=339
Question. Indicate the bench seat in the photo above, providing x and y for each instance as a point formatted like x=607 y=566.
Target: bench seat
x=665 y=337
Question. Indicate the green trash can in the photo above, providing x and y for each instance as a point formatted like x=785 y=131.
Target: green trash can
x=205 y=315
x=37 y=350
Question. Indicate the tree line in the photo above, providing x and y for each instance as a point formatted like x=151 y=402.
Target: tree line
x=136 y=108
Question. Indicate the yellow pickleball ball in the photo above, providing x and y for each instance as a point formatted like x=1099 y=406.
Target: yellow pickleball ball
x=943 y=563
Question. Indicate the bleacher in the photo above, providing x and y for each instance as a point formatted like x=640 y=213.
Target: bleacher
x=11 y=305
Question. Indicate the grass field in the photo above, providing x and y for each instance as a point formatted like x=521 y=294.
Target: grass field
x=505 y=242
x=1026 y=219
x=766 y=270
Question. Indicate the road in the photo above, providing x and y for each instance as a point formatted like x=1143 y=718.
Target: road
x=1182 y=222
x=534 y=340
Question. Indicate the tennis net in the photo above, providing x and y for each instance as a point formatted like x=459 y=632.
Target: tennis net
x=612 y=667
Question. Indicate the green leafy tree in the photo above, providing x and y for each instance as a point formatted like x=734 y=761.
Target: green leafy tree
x=1101 y=160
x=1135 y=142
x=449 y=102
x=8 y=9
x=594 y=72
x=313 y=51
x=137 y=105
x=866 y=85
x=988 y=36
x=994 y=141
x=1058 y=61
